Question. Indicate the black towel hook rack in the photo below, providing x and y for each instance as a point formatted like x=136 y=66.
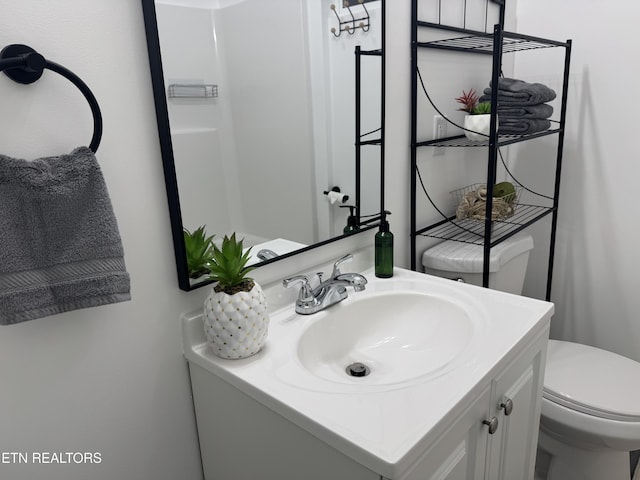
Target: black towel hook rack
x=23 y=64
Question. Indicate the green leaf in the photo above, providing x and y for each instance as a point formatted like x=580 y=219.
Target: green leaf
x=228 y=262
x=198 y=249
x=482 y=108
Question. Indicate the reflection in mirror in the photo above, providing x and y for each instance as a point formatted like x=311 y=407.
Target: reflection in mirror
x=256 y=106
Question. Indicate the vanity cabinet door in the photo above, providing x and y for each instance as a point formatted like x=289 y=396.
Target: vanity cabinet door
x=516 y=403
x=460 y=452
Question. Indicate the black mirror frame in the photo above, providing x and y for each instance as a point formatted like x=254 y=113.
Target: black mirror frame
x=166 y=150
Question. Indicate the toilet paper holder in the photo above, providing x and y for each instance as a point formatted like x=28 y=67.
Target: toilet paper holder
x=335 y=195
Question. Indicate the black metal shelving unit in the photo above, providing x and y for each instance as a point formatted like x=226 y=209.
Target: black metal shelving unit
x=487 y=233
x=374 y=138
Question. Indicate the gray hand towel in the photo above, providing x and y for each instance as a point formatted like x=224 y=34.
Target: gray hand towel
x=60 y=245
x=512 y=91
x=523 y=126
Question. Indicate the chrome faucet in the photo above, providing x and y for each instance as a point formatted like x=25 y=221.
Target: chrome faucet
x=328 y=292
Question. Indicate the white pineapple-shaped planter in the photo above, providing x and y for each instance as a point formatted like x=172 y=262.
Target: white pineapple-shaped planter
x=236 y=326
x=477 y=127
x=236 y=319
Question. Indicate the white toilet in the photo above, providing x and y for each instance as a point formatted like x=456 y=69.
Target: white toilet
x=464 y=262
x=590 y=417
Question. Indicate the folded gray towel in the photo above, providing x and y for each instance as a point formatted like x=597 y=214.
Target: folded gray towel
x=540 y=111
x=517 y=92
x=60 y=245
x=522 y=125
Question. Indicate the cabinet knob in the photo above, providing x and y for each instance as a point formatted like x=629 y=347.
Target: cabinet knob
x=492 y=424
x=507 y=406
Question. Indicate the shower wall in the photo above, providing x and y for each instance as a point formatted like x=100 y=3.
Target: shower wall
x=245 y=157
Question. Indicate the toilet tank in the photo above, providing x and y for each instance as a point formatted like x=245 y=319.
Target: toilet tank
x=464 y=261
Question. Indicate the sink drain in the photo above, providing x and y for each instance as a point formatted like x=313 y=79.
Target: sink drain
x=358 y=369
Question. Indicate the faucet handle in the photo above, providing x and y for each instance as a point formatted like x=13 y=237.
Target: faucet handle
x=305 y=290
x=336 y=266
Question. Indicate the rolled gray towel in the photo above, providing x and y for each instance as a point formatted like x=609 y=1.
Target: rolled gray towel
x=540 y=111
x=512 y=91
x=61 y=249
x=522 y=126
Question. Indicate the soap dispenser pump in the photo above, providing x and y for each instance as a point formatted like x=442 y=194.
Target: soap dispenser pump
x=384 y=249
x=352 y=220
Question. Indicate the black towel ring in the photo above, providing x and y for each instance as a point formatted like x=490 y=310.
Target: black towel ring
x=24 y=65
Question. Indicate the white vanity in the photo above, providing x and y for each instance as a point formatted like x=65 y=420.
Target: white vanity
x=452 y=391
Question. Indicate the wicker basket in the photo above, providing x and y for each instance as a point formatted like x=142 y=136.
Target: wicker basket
x=471 y=203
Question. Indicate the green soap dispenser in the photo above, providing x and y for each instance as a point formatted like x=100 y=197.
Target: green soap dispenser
x=352 y=221
x=384 y=249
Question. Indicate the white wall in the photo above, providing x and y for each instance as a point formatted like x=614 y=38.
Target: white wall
x=109 y=379
x=596 y=273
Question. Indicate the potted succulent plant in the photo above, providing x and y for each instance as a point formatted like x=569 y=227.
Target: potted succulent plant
x=198 y=247
x=236 y=319
x=477 y=123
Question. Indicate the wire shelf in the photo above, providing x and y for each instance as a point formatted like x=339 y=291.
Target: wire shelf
x=472 y=231
x=483 y=43
x=462 y=141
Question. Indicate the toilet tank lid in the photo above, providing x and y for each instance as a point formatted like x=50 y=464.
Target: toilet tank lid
x=452 y=256
x=593 y=381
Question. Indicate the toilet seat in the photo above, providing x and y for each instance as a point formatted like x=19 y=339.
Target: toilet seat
x=592 y=381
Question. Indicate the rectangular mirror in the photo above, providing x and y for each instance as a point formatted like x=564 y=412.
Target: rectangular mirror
x=261 y=117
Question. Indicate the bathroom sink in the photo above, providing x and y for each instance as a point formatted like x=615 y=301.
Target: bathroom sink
x=388 y=338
